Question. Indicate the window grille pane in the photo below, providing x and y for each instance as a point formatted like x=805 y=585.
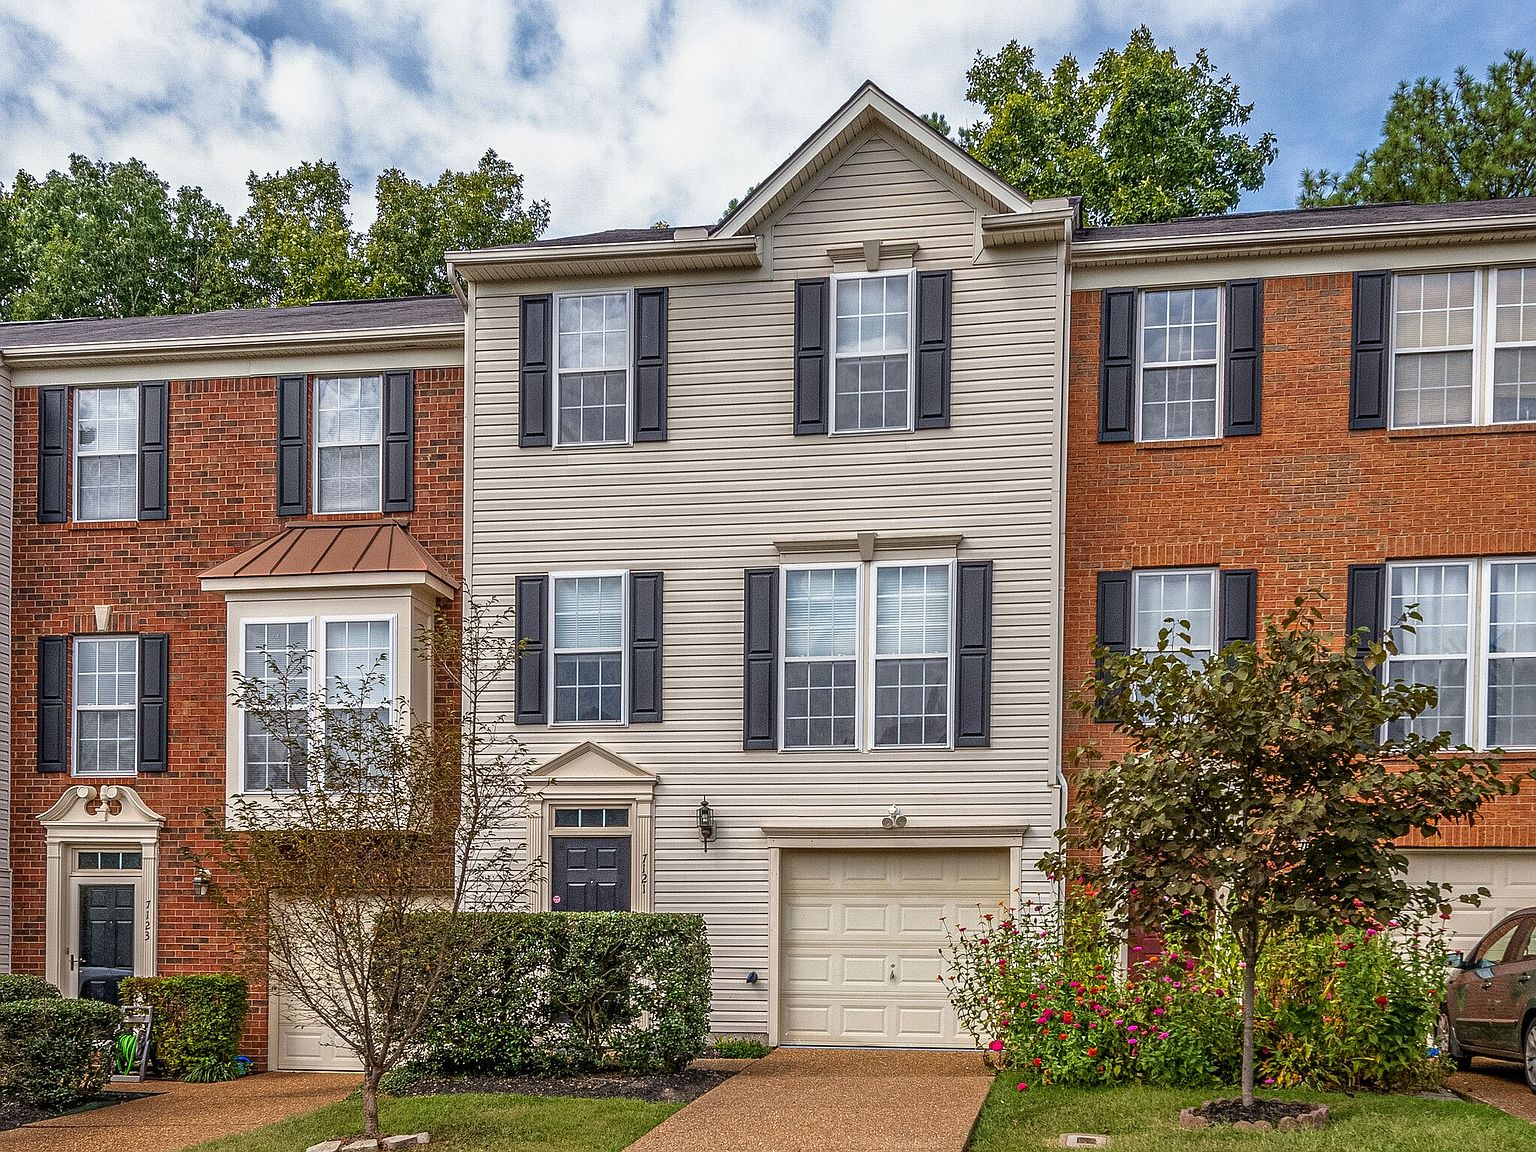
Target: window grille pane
x=1514 y=384
x=821 y=612
x=871 y=393
x=1515 y=307
x=594 y=331
x=1178 y=403
x=1436 y=310
x=1179 y=596
x=1443 y=599
x=1511 y=694
x=912 y=610
x=275 y=652
x=589 y=612
x=1179 y=327
x=1430 y=388
x=357 y=661
x=819 y=703
x=349 y=424
x=911 y=702
x=591 y=817
x=1449 y=712
x=588 y=688
x=268 y=762
x=593 y=408
x=106 y=450
x=107 y=741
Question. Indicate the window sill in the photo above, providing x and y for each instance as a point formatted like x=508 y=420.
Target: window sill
x=103 y=525
x=1459 y=430
x=1167 y=445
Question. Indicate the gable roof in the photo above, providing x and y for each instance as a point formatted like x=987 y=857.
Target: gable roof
x=375 y=548
x=866 y=107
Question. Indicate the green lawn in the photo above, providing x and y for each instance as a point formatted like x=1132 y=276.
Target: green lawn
x=1147 y=1120
x=481 y=1123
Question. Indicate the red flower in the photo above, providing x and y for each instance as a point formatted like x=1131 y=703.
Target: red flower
x=1381 y=1001
x=1093 y=1051
x=1037 y=1061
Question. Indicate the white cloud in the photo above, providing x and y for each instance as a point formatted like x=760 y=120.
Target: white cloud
x=645 y=110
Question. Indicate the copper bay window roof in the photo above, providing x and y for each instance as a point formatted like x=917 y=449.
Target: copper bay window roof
x=331 y=553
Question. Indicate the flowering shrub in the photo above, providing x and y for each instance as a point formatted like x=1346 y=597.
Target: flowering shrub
x=1040 y=991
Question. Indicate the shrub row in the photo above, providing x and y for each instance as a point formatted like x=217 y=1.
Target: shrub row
x=549 y=993
x=54 y=1052
x=195 y=1032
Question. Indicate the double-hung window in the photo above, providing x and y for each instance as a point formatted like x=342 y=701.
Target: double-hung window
x=349 y=433
x=589 y=648
x=592 y=369
x=1475 y=643
x=359 y=687
x=1464 y=348
x=821 y=657
x=106 y=453
x=1178 y=595
x=872 y=335
x=1178 y=365
x=106 y=698
x=913 y=619
x=276 y=655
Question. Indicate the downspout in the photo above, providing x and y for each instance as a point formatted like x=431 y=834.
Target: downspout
x=456 y=284
x=1063 y=463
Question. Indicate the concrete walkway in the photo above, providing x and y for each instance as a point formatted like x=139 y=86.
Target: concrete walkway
x=834 y=1100
x=1497 y=1083
x=181 y=1115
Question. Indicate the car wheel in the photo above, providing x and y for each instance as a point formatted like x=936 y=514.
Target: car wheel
x=1445 y=1040
x=1530 y=1054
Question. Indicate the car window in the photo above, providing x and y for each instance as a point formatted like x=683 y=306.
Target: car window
x=1493 y=949
x=1530 y=940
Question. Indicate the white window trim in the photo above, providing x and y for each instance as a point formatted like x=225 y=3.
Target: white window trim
x=911 y=278
x=1484 y=347
x=75 y=707
x=623 y=649
x=1480 y=602
x=77 y=456
x=873 y=656
x=314 y=463
x=1220 y=362
x=1137 y=575
x=784 y=659
x=556 y=372
x=318 y=675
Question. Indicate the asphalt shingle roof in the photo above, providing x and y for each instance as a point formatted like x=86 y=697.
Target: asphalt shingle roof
x=1301 y=219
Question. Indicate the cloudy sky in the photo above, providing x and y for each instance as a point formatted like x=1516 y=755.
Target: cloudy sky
x=621 y=112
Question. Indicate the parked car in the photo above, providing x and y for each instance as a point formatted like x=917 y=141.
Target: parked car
x=1490 y=999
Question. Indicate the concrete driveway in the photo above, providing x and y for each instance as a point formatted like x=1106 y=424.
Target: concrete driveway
x=1497 y=1083
x=834 y=1100
x=181 y=1115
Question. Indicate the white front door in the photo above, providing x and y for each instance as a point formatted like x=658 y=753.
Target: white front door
x=860 y=933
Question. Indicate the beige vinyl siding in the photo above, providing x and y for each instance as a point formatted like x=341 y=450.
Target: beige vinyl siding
x=731 y=479
x=7 y=499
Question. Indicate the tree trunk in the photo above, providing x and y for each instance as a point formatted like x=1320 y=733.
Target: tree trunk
x=371 y=1107
x=1250 y=963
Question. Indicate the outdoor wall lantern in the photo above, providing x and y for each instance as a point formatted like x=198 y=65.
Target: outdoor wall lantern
x=706 y=823
x=200 y=882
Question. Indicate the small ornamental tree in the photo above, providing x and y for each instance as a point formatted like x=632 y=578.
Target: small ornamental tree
x=373 y=817
x=1264 y=788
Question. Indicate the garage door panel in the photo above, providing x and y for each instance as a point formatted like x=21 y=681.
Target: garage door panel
x=880 y=910
x=301 y=1043
x=1509 y=875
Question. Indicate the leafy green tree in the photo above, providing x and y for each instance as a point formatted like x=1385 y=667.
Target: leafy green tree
x=108 y=239
x=295 y=243
x=418 y=222
x=1256 y=788
x=1470 y=140
x=1140 y=137
x=938 y=122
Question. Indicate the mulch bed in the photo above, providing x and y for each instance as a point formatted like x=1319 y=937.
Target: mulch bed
x=1264 y=1114
x=14 y=1115
x=655 y=1088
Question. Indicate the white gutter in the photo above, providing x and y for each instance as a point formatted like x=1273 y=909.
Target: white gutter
x=528 y=262
x=267 y=343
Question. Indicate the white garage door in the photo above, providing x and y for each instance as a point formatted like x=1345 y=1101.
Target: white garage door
x=300 y=1043
x=1510 y=875
x=859 y=941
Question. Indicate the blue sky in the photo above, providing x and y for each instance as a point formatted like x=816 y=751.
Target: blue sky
x=626 y=111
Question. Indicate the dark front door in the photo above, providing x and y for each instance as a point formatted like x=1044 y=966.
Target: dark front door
x=106 y=939
x=590 y=874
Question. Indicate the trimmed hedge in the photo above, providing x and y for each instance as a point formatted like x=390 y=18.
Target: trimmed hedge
x=16 y=986
x=197 y=1022
x=548 y=993
x=55 y=1052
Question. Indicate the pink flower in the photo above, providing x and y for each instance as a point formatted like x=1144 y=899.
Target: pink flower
x=1022 y=1086
x=1162 y=1035
x=1157 y=1012
x=1268 y=1081
x=1132 y=1040
x=996 y=1045
x=1133 y=1028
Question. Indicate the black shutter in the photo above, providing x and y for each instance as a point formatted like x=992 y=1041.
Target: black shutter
x=1368 y=368
x=154 y=424
x=535 y=359
x=399 y=441
x=1239 y=605
x=1245 y=357
x=1113 y=623
x=53 y=456
x=532 y=598
x=154 y=711
x=973 y=654
x=1365 y=604
x=760 y=693
x=650 y=364
x=1117 y=367
x=934 y=291
x=53 y=703
x=292 y=445
x=813 y=355
x=645 y=647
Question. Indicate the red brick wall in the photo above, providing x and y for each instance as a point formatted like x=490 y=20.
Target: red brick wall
x=222 y=500
x=1300 y=503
